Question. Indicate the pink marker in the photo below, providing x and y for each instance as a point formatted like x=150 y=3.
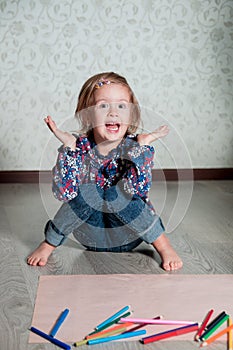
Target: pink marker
x=159 y=322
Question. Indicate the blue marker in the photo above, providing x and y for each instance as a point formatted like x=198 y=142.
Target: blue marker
x=58 y=323
x=51 y=339
x=116 y=337
x=113 y=317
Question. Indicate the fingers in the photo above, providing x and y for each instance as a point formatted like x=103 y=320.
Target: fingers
x=163 y=129
x=48 y=119
x=50 y=123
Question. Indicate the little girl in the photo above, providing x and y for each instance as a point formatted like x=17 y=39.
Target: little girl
x=103 y=176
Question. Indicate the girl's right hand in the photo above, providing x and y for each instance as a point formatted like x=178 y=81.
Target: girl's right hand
x=51 y=124
x=66 y=138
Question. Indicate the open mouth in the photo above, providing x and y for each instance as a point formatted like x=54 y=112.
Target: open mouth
x=112 y=127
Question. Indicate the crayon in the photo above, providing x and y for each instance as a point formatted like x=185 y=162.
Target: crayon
x=171 y=333
x=116 y=337
x=59 y=322
x=113 y=317
x=51 y=339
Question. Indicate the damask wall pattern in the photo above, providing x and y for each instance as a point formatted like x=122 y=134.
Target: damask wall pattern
x=176 y=55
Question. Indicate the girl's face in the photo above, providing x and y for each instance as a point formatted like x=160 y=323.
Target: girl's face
x=112 y=112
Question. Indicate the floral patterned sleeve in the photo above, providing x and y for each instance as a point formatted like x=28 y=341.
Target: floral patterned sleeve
x=138 y=177
x=69 y=170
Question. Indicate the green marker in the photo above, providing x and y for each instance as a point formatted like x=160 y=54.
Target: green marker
x=208 y=333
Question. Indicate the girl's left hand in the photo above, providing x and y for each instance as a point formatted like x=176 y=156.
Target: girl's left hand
x=147 y=139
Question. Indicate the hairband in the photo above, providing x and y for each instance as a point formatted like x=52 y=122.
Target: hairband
x=101 y=83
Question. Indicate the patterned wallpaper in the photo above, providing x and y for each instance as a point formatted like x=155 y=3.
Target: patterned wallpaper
x=176 y=55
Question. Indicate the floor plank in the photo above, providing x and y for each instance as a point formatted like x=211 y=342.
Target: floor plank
x=15 y=306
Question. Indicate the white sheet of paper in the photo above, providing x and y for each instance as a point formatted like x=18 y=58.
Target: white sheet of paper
x=93 y=298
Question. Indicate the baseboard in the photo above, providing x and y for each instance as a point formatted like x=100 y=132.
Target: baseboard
x=36 y=176
x=192 y=174
x=25 y=176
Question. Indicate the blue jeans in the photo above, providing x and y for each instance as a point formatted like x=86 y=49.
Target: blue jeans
x=104 y=220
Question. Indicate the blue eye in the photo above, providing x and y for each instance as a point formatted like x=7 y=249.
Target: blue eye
x=103 y=105
x=122 y=106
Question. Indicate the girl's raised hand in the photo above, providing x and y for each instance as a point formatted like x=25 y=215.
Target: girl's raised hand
x=147 y=139
x=66 y=138
x=50 y=123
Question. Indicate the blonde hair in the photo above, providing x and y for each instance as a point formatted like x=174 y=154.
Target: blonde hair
x=86 y=100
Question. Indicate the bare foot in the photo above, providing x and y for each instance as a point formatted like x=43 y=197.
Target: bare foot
x=41 y=254
x=170 y=260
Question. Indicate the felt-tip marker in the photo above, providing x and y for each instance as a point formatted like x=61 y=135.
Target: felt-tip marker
x=113 y=317
x=116 y=337
x=171 y=333
x=59 y=322
x=51 y=339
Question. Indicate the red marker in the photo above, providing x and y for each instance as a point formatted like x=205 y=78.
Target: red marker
x=204 y=324
x=172 y=333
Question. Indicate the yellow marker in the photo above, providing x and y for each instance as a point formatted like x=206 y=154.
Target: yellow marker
x=81 y=342
x=120 y=328
x=98 y=336
x=229 y=336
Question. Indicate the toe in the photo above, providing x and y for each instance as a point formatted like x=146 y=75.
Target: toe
x=32 y=261
x=42 y=262
x=176 y=265
x=29 y=260
x=166 y=266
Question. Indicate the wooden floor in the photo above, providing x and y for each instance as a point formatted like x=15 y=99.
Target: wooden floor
x=204 y=240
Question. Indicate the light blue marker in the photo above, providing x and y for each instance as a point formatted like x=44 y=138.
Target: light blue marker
x=58 y=323
x=116 y=337
x=113 y=317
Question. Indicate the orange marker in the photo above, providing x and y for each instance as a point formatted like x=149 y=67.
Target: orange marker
x=216 y=336
x=119 y=327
